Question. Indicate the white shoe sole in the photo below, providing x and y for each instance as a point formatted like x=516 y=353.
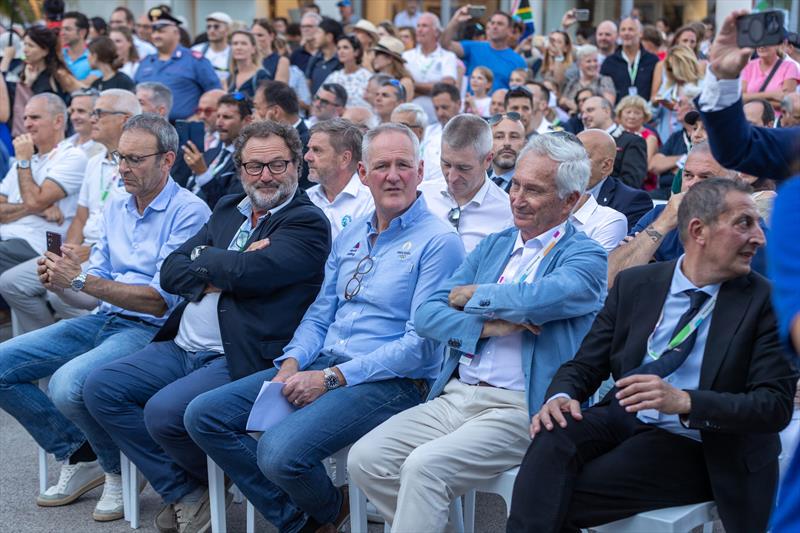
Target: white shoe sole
x=42 y=501
x=107 y=516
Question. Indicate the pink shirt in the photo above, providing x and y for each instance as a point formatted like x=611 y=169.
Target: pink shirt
x=753 y=76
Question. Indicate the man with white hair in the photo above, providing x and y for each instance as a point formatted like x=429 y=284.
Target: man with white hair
x=308 y=43
x=361 y=116
x=429 y=63
x=413 y=117
x=464 y=196
x=475 y=422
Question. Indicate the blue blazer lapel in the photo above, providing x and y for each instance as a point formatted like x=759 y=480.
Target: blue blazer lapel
x=500 y=254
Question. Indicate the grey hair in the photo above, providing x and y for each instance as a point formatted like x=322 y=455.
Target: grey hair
x=574 y=167
x=264 y=129
x=585 y=50
x=704 y=147
x=124 y=101
x=467 y=130
x=55 y=105
x=438 y=24
x=420 y=116
x=88 y=93
x=317 y=18
x=343 y=135
x=158 y=127
x=706 y=201
x=161 y=93
x=388 y=127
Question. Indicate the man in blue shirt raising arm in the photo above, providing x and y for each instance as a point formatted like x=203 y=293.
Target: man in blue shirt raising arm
x=354 y=361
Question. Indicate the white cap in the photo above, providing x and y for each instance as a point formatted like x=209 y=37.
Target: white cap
x=219 y=16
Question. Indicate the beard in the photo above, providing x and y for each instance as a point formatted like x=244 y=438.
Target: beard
x=505 y=161
x=265 y=197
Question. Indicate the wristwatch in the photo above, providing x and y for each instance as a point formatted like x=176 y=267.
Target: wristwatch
x=23 y=163
x=196 y=251
x=78 y=282
x=331 y=379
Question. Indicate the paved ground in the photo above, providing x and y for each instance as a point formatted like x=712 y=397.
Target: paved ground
x=19 y=486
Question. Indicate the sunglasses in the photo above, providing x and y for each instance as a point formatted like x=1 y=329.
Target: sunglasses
x=401 y=90
x=158 y=26
x=454 y=217
x=511 y=115
x=205 y=110
x=213 y=26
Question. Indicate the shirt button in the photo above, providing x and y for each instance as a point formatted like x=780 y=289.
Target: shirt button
x=341 y=341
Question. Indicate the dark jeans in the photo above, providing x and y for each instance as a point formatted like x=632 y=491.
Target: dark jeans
x=140 y=401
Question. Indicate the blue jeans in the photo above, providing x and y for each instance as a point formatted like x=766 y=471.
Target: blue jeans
x=140 y=401
x=282 y=473
x=68 y=350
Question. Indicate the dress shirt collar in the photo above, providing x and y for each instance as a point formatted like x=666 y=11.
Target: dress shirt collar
x=612 y=129
x=245 y=206
x=480 y=195
x=585 y=212
x=160 y=202
x=595 y=191
x=540 y=241
x=680 y=283
x=415 y=210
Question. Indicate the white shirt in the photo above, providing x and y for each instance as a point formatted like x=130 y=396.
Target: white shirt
x=143 y=48
x=489 y=211
x=431 y=68
x=499 y=362
x=64 y=165
x=130 y=68
x=218 y=60
x=544 y=126
x=353 y=202
x=719 y=94
x=432 y=152
x=605 y=225
x=404 y=19
x=91 y=148
x=102 y=183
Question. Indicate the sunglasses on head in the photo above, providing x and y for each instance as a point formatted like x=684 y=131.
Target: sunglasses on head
x=401 y=90
x=511 y=115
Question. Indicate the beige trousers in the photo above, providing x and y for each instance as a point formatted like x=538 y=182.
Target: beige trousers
x=413 y=465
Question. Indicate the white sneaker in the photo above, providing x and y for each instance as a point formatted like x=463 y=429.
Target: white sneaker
x=110 y=505
x=73 y=481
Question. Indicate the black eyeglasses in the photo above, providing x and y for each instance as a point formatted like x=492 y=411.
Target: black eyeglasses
x=454 y=216
x=276 y=167
x=354 y=285
x=131 y=160
x=511 y=115
x=324 y=101
x=100 y=113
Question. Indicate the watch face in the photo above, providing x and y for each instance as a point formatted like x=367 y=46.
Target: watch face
x=331 y=381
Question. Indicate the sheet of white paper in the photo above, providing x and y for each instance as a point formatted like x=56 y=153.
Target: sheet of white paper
x=270 y=407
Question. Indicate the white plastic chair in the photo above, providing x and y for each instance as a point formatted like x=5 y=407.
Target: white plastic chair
x=130 y=490
x=358 y=513
x=670 y=520
x=502 y=485
x=43 y=383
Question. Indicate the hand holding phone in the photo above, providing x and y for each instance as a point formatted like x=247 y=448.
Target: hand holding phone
x=760 y=29
x=477 y=12
x=54 y=242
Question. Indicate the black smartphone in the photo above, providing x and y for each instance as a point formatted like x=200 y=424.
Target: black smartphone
x=190 y=131
x=582 y=15
x=54 y=242
x=477 y=12
x=760 y=29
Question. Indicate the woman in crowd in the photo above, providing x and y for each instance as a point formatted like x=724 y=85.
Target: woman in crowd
x=245 y=64
x=408 y=36
x=103 y=57
x=770 y=76
x=589 y=77
x=653 y=41
x=367 y=34
x=352 y=76
x=687 y=36
x=126 y=50
x=386 y=29
x=557 y=57
x=679 y=76
x=97 y=27
x=632 y=114
x=276 y=65
x=389 y=60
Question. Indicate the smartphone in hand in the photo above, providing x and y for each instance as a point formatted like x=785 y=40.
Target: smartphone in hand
x=54 y=242
x=760 y=29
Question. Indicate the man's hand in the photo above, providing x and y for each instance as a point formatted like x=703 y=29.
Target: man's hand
x=668 y=219
x=459 y=296
x=727 y=59
x=568 y=19
x=62 y=269
x=53 y=214
x=461 y=15
x=646 y=391
x=257 y=245
x=501 y=328
x=553 y=412
x=303 y=388
x=81 y=252
x=194 y=158
x=23 y=146
x=288 y=369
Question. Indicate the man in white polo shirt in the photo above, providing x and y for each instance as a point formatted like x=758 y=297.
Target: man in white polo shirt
x=465 y=196
x=605 y=225
x=334 y=150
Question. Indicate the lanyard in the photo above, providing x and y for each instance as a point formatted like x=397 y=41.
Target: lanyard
x=633 y=69
x=107 y=188
x=684 y=333
x=541 y=254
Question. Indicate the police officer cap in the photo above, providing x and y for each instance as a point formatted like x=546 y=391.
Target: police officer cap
x=162 y=13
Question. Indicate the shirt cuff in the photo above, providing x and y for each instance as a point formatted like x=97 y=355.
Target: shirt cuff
x=559 y=395
x=202 y=179
x=718 y=94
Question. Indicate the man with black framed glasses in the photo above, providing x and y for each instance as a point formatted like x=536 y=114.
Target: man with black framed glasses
x=246 y=277
x=354 y=361
x=139 y=229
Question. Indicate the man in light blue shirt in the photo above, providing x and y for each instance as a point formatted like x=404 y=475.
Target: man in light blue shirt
x=140 y=229
x=356 y=358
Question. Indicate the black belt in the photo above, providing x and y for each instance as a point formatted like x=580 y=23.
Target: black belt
x=135 y=319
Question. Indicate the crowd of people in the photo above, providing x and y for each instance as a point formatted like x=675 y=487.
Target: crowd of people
x=456 y=251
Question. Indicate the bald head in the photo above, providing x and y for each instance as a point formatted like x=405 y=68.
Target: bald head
x=207 y=108
x=790 y=107
x=602 y=150
x=606 y=37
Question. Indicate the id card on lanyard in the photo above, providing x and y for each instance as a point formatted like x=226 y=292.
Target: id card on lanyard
x=633 y=70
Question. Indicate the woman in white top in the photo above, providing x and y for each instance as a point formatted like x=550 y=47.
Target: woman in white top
x=352 y=76
x=126 y=50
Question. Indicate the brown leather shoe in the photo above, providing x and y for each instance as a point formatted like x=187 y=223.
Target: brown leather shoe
x=341 y=518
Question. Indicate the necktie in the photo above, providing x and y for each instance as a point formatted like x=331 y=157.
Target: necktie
x=674 y=358
x=499 y=182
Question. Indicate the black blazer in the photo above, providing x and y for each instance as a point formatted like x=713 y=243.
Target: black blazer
x=225 y=181
x=616 y=68
x=264 y=293
x=304 y=133
x=746 y=382
x=633 y=203
x=630 y=163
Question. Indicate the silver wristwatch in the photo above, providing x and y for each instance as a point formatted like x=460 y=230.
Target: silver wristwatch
x=78 y=282
x=196 y=251
x=331 y=379
x=23 y=163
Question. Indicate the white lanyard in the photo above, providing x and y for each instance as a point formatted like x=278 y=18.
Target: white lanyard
x=520 y=277
x=684 y=333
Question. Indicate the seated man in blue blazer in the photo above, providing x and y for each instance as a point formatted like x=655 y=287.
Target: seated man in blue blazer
x=248 y=277
x=511 y=314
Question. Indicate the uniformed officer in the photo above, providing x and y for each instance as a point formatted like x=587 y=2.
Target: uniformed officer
x=187 y=74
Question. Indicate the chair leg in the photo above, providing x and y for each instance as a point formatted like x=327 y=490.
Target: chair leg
x=216 y=493
x=125 y=471
x=133 y=495
x=358 y=510
x=251 y=518
x=238 y=497
x=43 y=454
x=469 y=511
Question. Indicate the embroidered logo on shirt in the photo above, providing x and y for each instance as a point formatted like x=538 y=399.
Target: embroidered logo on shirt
x=354 y=250
x=405 y=251
x=346 y=220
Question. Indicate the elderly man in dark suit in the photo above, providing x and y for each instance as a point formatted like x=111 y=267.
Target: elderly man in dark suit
x=247 y=278
x=702 y=388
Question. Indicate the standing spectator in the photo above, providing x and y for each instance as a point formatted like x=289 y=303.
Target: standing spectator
x=73 y=34
x=216 y=49
x=429 y=63
x=770 y=76
x=494 y=52
x=308 y=44
x=409 y=16
x=324 y=61
x=631 y=66
x=679 y=76
x=246 y=70
x=352 y=76
x=144 y=28
x=388 y=59
x=589 y=77
x=408 y=36
x=557 y=58
x=653 y=41
x=447 y=103
x=689 y=37
x=187 y=74
x=345 y=11
x=122 y=17
x=126 y=50
x=276 y=65
x=97 y=27
x=479 y=101
x=103 y=57
x=605 y=37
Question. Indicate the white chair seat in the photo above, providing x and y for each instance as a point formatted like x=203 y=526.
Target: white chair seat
x=669 y=520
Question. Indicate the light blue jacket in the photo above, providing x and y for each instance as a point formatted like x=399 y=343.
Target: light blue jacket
x=567 y=292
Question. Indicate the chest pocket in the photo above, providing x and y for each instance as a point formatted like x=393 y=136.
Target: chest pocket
x=392 y=282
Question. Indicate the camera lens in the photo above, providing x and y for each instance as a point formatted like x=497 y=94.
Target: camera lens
x=773 y=24
x=756 y=30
